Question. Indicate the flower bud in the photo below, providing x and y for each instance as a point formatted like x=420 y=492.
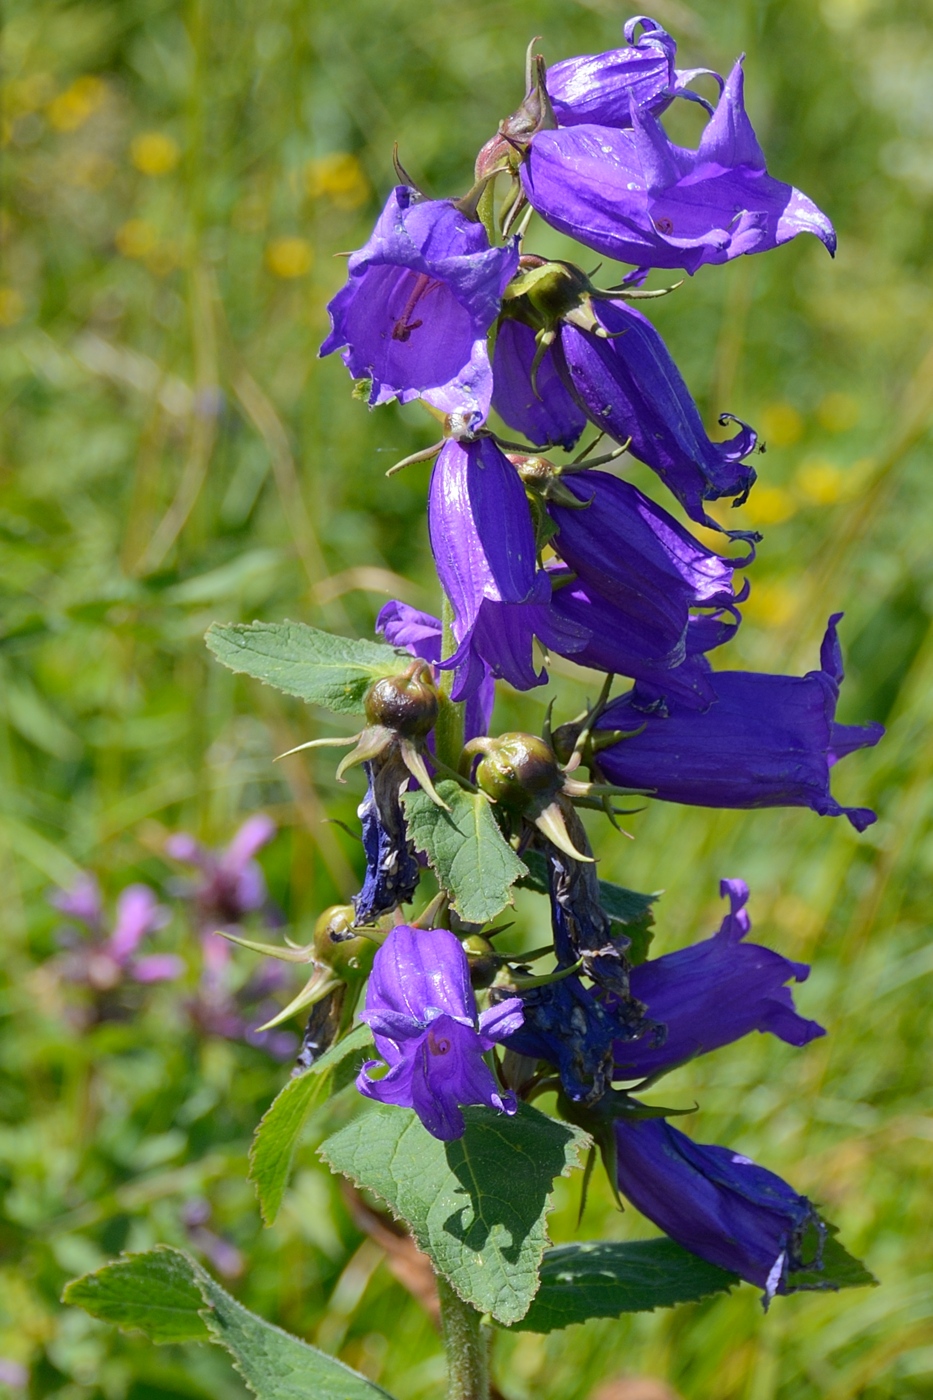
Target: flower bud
x=481 y=956
x=406 y=704
x=338 y=947
x=518 y=771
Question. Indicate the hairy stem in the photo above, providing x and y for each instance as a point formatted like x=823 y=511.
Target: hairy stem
x=466 y=1344
x=448 y=731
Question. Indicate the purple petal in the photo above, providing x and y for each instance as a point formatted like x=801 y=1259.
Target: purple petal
x=603 y=87
x=138 y=913
x=499 y=1021
x=82 y=901
x=420 y=969
x=257 y=831
x=544 y=411
x=185 y=848
x=157 y=967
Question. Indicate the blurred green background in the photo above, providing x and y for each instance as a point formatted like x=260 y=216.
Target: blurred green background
x=177 y=178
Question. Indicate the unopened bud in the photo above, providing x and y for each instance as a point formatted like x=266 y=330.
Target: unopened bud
x=337 y=946
x=518 y=771
x=406 y=704
x=482 y=959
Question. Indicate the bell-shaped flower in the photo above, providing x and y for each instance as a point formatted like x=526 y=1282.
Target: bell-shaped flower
x=629 y=552
x=719 y=1204
x=420 y=298
x=633 y=195
x=766 y=741
x=618 y=373
x=421 y=635
x=483 y=540
x=602 y=88
x=711 y=994
x=621 y=644
x=231 y=885
x=422 y=1010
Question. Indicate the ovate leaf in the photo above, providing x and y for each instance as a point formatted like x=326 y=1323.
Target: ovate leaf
x=279 y=1130
x=477 y=1206
x=605 y=1279
x=323 y=669
x=165 y=1294
x=467 y=852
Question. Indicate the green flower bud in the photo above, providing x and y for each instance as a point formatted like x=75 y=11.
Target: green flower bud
x=349 y=955
x=519 y=771
x=482 y=959
x=406 y=704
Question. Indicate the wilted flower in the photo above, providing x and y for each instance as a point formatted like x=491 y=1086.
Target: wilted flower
x=713 y=993
x=484 y=547
x=766 y=741
x=719 y=1204
x=635 y=196
x=392 y=869
x=567 y=1026
x=422 y=1010
x=418 y=304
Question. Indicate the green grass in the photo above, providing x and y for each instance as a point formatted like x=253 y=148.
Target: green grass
x=174 y=453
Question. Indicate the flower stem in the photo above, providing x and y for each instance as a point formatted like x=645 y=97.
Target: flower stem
x=466 y=1345
x=448 y=731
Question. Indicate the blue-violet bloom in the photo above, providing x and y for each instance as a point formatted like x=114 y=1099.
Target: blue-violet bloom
x=483 y=540
x=602 y=88
x=719 y=1204
x=713 y=993
x=422 y=1010
x=417 y=306
x=635 y=196
x=766 y=741
x=106 y=960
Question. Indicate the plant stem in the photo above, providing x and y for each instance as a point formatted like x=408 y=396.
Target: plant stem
x=448 y=731
x=466 y=1345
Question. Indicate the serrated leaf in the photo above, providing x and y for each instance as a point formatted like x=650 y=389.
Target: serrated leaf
x=323 y=669
x=168 y=1296
x=467 y=852
x=840 y=1269
x=607 y=1279
x=626 y=907
x=477 y=1206
x=277 y=1136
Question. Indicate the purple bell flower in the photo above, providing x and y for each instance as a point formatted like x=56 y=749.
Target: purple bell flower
x=713 y=993
x=422 y=1010
x=718 y=1204
x=635 y=196
x=417 y=306
x=566 y=1025
x=602 y=88
x=628 y=385
x=620 y=644
x=543 y=410
x=484 y=547
x=766 y=741
x=421 y=634
x=628 y=552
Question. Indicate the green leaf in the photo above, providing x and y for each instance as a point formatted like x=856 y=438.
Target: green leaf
x=626 y=907
x=840 y=1269
x=170 y=1298
x=468 y=853
x=477 y=1206
x=605 y=1279
x=155 y=1293
x=279 y=1130
x=323 y=669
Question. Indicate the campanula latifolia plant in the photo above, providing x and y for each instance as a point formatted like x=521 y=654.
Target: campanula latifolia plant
x=484 y=1074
